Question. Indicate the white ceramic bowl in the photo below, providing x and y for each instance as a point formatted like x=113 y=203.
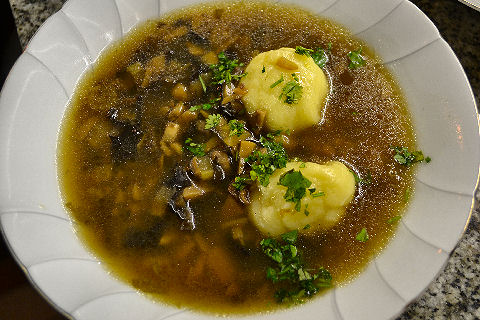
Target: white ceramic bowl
x=40 y=232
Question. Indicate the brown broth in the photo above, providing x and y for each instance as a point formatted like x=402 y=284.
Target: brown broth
x=115 y=204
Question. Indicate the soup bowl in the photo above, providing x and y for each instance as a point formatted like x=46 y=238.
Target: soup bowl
x=41 y=234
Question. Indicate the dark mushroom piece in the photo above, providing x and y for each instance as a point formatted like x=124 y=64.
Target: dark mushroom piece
x=179 y=181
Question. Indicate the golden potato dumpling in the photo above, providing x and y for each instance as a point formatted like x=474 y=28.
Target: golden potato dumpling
x=273 y=215
x=269 y=73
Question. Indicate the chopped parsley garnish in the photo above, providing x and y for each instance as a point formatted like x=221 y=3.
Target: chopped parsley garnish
x=407 y=158
x=302 y=165
x=196 y=148
x=222 y=71
x=263 y=69
x=292 y=91
x=212 y=121
x=276 y=83
x=204 y=87
x=237 y=128
x=317 y=194
x=303 y=51
x=355 y=176
x=294 y=280
x=264 y=164
x=362 y=236
x=240 y=183
x=319 y=56
x=275 y=133
x=356 y=59
x=307 y=226
x=392 y=220
x=406 y=196
x=296 y=185
x=205 y=106
x=365 y=180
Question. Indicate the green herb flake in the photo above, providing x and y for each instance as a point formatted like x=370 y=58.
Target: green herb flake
x=405 y=157
x=362 y=236
x=317 y=194
x=302 y=165
x=428 y=159
x=365 y=180
x=406 y=195
x=264 y=164
x=263 y=69
x=290 y=237
x=204 y=87
x=273 y=134
x=296 y=185
x=393 y=220
x=292 y=91
x=212 y=121
x=276 y=83
x=303 y=51
x=355 y=176
x=307 y=226
x=356 y=59
x=196 y=148
x=223 y=70
x=319 y=56
x=205 y=106
x=240 y=183
x=237 y=128
x=289 y=269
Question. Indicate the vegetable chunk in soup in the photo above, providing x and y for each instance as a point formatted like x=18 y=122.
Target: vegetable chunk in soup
x=166 y=146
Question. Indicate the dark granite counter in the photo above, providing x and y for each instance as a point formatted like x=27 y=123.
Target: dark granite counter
x=455 y=294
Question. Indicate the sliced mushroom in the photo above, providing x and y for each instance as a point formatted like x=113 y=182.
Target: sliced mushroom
x=242 y=196
x=171 y=132
x=202 y=168
x=244 y=237
x=154 y=70
x=179 y=92
x=222 y=159
x=124 y=146
x=179 y=181
x=258 y=120
x=192 y=192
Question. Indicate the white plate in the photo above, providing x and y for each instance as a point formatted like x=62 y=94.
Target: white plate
x=39 y=231
x=475 y=4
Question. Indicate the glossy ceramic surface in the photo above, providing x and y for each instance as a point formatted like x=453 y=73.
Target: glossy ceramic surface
x=41 y=234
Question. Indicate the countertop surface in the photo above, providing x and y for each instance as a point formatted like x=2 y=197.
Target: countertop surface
x=455 y=294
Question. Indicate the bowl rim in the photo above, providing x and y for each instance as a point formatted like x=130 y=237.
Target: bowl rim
x=474 y=200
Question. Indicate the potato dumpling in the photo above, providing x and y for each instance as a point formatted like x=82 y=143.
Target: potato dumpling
x=273 y=215
x=267 y=69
